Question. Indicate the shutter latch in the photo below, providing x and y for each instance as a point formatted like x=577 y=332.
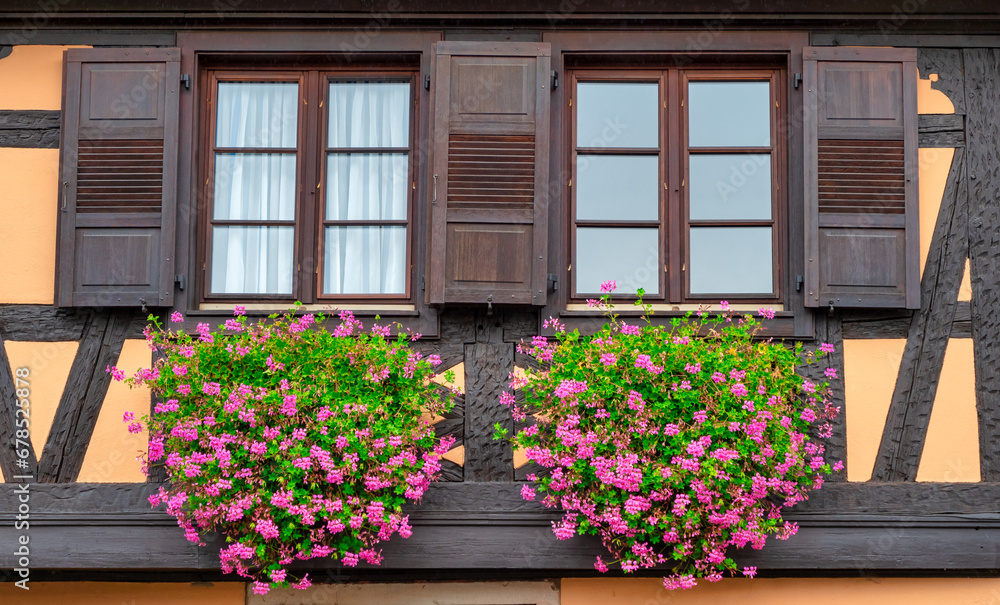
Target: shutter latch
x=553 y=282
x=186 y=81
x=489 y=306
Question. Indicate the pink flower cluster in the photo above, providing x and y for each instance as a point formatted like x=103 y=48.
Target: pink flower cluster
x=278 y=446
x=672 y=447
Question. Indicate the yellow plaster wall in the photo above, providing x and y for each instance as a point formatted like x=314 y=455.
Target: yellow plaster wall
x=123 y=593
x=815 y=591
x=29 y=187
x=951 y=452
x=49 y=364
x=935 y=164
x=37 y=72
x=111 y=456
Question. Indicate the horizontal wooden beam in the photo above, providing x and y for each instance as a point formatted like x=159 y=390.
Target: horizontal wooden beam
x=941 y=130
x=941 y=40
x=34 y=129
x=45 y=323
x=845 y=527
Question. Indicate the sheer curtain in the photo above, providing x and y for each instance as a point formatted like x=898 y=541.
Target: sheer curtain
x=252 y=187
x=365 y=186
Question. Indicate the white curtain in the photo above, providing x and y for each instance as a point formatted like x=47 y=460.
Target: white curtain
x=367 y=186
x=254 y=187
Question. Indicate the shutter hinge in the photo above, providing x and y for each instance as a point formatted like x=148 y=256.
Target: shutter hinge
x=427 y=82
x=553 y=282
x=798 y=283
x=180 y=280
x=555 y=79
x=797 y=81
x=423 y=283
x=186 y=81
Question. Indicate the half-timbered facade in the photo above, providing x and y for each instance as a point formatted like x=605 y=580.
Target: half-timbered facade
x=467 y=171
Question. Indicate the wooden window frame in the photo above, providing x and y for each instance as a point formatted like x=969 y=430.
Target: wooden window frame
x=673 y=201
x=329 y=51
x=311 y=152
x=665 y=49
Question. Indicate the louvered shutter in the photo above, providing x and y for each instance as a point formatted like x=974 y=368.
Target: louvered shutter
x=118 y=177
x=489 y=197
x=862 y=240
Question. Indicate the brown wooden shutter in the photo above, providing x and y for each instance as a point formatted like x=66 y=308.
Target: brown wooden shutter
x=118 y=177
x=489 y=198
x=862 y=241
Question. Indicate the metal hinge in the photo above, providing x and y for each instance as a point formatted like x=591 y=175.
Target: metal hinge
x=423 y=283
x=180 y=280
x=427 y=82
x=555 y=79
x=798 y=283
x=797 y=81
x=186 y=81
x=553 y=281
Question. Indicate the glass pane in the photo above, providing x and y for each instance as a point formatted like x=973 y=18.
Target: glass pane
x=254 y=186
x=252 y=260
x=620 y=187
x=369 y=114
x=257 y=114
x=729 y=114
x=366 y=186
x=730 y=186
x=731 y=260
x=365 y=260
x=628 y=256
x=617 y=114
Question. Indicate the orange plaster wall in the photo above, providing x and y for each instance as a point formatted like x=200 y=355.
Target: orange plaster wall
x=870 y=370
x=123 y=593
x=37 y=72
x=29 y=187
x=815 y=591
x=951 y=452
x=111 y=456
x=49 y=364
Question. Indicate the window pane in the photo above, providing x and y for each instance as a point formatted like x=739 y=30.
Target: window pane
x=369 y=114
x=629 y=256
x=617 y=114
x=731 y=260
x=252 y=260
x=257 y=114
x=254 y=186
x=730 y=186
x=366 y=186
x=729 y=114
x=365 y=260
x=620 y=187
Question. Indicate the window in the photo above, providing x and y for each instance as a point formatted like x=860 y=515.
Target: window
x=308 y=178
x=676 y=184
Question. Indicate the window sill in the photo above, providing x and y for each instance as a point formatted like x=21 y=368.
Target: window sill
x=328 y=308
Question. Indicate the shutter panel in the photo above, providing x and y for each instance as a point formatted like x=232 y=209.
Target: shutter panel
x=118 y=177
x=862 y=241
x=490 y=173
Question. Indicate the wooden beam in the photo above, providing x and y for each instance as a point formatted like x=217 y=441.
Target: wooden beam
x=845 y=528
x=941 y=130
x=80 y=405
x=45 y=323
x=916 y=385
x=103 y=37
x=34 y=129
x=488 y=363
x=941 y=40
x=828 y=330
x=8 y=423
x=982 y=89
x=947 y=64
